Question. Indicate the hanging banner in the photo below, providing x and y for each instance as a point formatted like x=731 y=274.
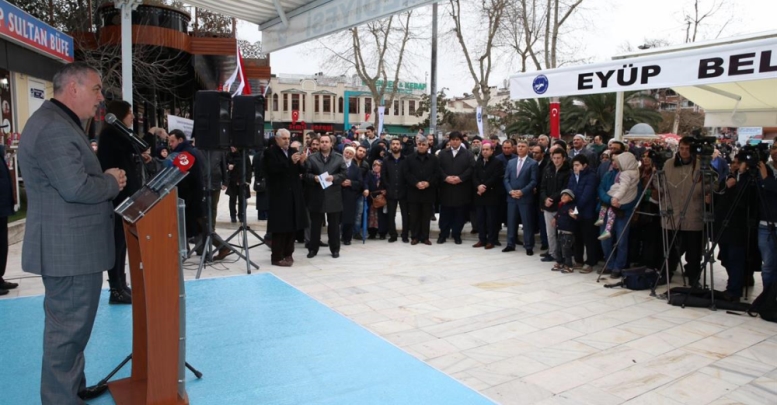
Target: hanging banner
x=479 y=117
x=754 y=60
x=28 y=31
x=555 y=119
x=381 y=111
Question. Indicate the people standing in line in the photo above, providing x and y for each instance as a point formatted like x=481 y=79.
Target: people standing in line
x=487 y=179
x=520 y=181
x=421 y=175
x=325 y=202
x=116 y=150
x=284 y=167
x=456 y=165
x=69 y=202
x=396 y=192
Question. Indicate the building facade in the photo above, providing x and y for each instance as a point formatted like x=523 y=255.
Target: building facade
x=319 y=103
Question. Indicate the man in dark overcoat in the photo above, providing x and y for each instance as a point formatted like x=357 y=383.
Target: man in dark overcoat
x=421 y=174
x=325 y=201
x=396 y=192
x=487 y=178
x=283 y=167
x=455 y=188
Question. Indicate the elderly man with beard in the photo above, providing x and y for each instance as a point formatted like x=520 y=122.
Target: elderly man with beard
x=396 y=192
x=456 y=188
x=325 y=201
x=488 y=182
x=578 y=148
x=421 y=174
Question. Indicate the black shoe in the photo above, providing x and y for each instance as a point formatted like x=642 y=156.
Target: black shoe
x=509 y=249
x=119 y=297
x=497 y=243
x=371 y=237
x=544 y=247
x=548 y=259
x=382 y=237
x=335 y=254
x=529 y=252
x=5 y=285
x=127 y=290
x=3 y=292
x=233 y=220
x=393 y=239
x=346 y=242
x=457 y=241
x=93 y=392
x=357 y=236
x=405 y=239
x=440 y=240
x=312 y=254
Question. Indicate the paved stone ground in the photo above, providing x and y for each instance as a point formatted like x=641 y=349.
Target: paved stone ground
x=504 y=324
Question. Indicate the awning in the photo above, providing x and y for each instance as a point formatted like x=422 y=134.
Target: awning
x=285 y=23
x=733 y=79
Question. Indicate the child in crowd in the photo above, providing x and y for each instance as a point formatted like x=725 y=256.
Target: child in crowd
x=623 y=191
x=564 y=221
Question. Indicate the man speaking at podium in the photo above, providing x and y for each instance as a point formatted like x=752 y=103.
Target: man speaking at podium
x=69 y=206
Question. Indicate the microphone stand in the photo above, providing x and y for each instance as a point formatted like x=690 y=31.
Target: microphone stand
x=244 y=228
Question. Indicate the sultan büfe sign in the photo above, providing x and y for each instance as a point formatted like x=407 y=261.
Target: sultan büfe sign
x=30 y=32
x=730 y=63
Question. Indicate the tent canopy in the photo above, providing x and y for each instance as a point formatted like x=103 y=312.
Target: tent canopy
x=733 y=79
x=290 y=22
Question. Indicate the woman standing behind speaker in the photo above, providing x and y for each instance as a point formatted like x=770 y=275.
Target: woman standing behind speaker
x=115 y=150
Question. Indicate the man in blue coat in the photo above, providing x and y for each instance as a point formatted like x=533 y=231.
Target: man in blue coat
x=520 y=181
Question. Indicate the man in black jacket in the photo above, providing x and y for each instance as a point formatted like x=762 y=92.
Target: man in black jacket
x=421 y=174
x=488 y=182
x=396 y=192
x=325 y=201
x=6 y=210
x=555 y=178
x=455 y=188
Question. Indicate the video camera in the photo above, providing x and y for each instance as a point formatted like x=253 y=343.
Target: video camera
x=755 y=153
x=703 y=147
x=659 y=155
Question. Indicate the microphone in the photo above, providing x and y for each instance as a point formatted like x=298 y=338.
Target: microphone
x=113 y=121
x=183 y=161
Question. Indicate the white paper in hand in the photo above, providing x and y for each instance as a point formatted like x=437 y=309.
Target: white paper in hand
x=322 y=180
x=575 y=211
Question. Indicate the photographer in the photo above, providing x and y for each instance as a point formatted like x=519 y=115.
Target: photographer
x=766 y=233
x=681 y=174
x=735 y=228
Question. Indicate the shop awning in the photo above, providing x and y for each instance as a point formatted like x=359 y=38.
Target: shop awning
x=285 y=23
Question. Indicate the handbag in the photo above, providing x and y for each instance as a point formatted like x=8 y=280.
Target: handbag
x=378 y=201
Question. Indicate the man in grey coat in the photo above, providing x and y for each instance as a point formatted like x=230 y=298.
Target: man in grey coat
x=69 y=203
x=325 y=201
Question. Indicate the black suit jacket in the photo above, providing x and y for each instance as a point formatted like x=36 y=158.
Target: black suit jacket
x=331 y=198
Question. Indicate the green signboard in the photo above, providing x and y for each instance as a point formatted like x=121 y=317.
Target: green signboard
x=402 y=87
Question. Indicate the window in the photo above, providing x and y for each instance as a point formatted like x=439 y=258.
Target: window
x=368 y=106
x=327 y=104
x=275 y=102
x=353 y=105
x=295 y=102
x=303 y=101
x=340 y=105
x=285 y=102
x=315 y=103
x=402 y=107
x=411 y=107
x=396 y=107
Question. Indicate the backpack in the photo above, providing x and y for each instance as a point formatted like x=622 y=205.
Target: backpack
x=766 y=304
x=637 y=279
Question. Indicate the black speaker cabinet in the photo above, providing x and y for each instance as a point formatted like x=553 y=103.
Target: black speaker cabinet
x=248 y=122
x=212 y=111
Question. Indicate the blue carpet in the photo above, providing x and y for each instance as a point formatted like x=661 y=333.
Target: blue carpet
x=256 y=339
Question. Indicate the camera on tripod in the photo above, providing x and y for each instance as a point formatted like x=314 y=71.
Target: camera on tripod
x=703 y=147
x=754 y=154
x=659 y=155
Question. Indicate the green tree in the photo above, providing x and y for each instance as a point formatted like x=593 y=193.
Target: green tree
x=598 y=113
x=532 y=116
x=444 y=116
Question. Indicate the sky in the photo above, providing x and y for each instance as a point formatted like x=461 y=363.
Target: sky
x=601 y=29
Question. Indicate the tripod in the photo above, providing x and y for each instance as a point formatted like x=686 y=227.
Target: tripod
x=244 y=229
x=211 y=235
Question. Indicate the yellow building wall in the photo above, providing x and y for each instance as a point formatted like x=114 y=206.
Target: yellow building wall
x=21 y=98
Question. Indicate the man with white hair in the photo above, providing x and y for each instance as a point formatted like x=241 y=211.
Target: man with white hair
x=578 y=147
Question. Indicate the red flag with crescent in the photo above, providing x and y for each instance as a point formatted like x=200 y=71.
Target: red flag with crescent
x=294 y=116
x=555 y=120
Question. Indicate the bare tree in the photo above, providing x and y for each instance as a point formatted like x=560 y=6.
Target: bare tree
x=479 y=50
x=377 y=52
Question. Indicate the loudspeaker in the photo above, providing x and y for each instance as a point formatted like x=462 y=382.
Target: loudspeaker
x=248 y=122
x=212 y=111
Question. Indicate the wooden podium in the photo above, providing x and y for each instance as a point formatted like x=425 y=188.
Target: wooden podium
x=158 y=306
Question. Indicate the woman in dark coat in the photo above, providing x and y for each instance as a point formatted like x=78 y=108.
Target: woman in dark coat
x=352 y=190
x=584 y=183
x=287 y=204
x=115 y=150
x=238 y=180
x=487 y=180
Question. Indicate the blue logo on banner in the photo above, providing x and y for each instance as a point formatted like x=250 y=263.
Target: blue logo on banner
x=540 y=84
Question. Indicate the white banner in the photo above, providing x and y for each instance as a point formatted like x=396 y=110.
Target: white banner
x=381 y=112
x=744 y=61
x=479 y=117
x=184 y=124
x=330 y=17
x=745 y=134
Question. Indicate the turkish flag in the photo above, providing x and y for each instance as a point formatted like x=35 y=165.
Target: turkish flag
x=294 y=116
x=555 y=120
x=366 y=117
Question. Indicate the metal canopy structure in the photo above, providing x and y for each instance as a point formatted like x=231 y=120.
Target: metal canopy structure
x=285 y=23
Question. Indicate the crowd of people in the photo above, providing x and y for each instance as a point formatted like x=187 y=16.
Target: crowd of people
x=584 y=204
